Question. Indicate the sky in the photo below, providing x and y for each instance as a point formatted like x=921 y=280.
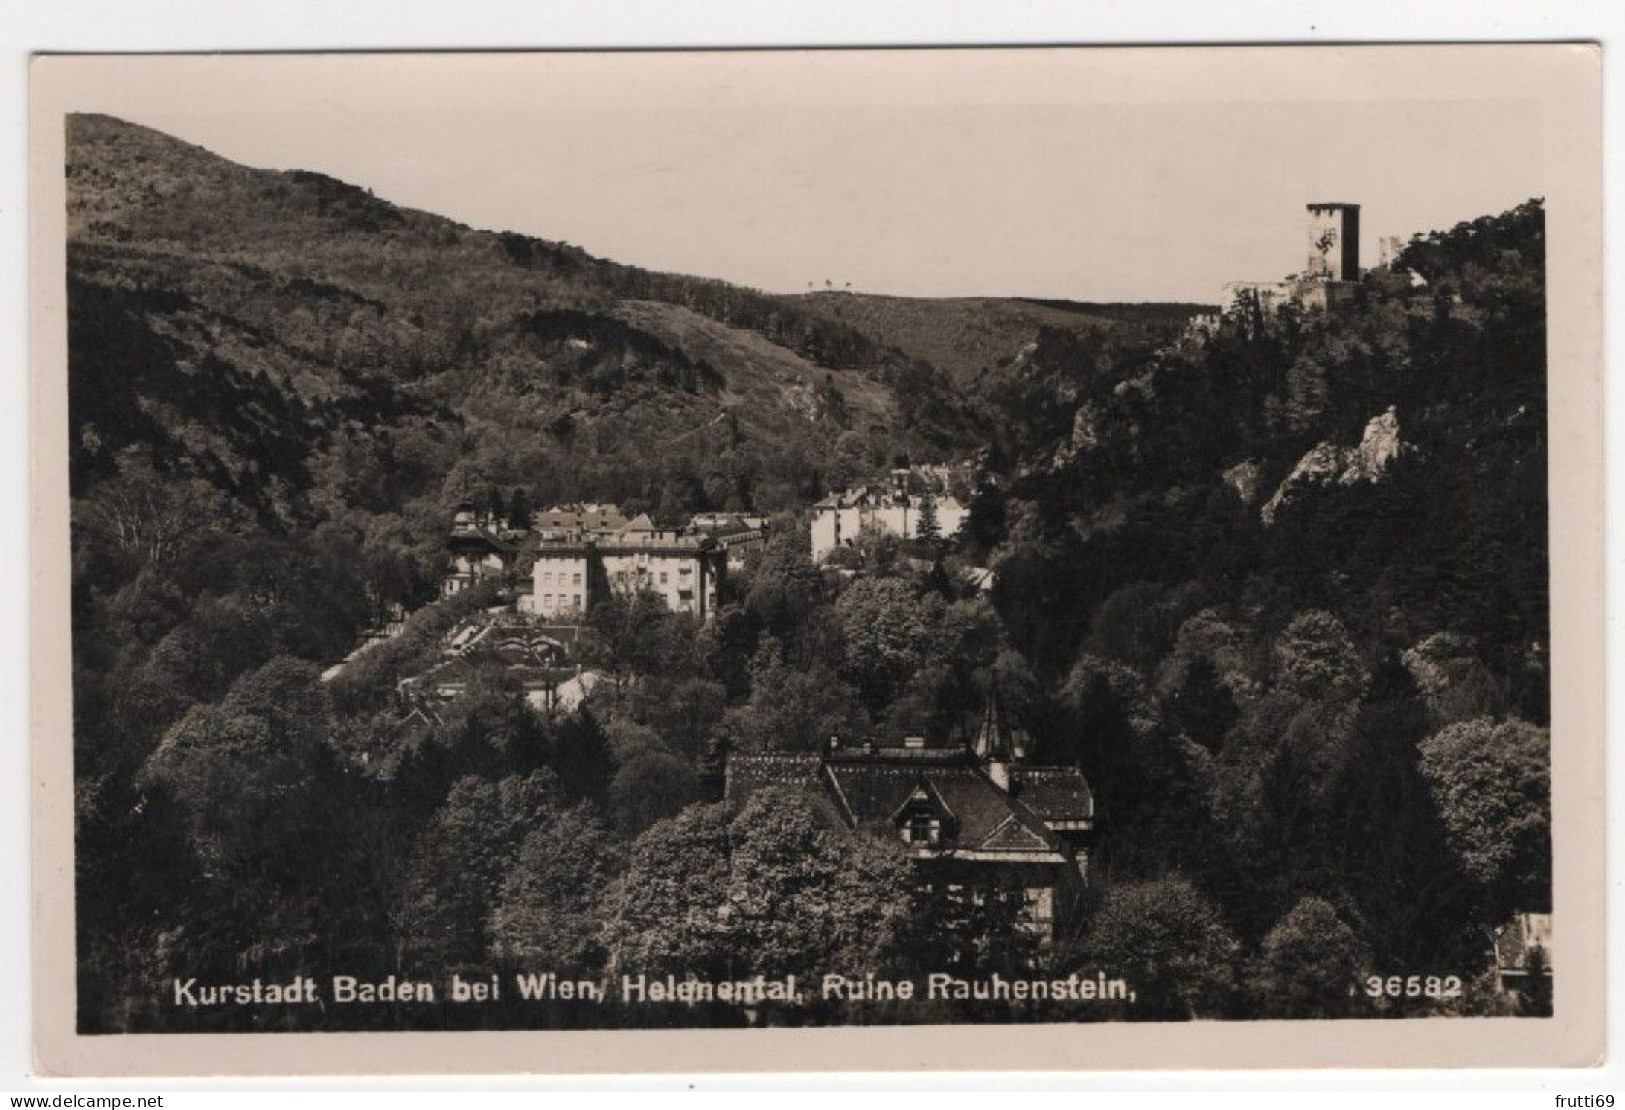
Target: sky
x=1100 y=175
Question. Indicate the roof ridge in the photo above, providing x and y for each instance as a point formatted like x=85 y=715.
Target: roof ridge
x=1030 y=817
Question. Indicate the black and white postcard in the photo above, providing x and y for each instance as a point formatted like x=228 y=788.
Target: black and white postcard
x=1033 y=558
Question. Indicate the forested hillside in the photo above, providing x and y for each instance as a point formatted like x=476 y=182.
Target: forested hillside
x=530 y=361
x=1285 y=596
x=1023 y=364
x=1278 y=587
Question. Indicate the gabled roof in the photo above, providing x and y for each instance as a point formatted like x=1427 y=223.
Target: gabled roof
x=1054 y=793
x=875 y=790
x=576 y=523
x=1012 y=835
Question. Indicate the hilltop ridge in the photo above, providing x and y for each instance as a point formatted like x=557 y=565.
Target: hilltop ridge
x=334 y=295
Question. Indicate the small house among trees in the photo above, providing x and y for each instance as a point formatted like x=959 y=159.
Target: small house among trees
x=481 y=546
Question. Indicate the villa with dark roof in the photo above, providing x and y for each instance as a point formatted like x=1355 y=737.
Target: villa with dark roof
x=973 y=816
x=481 y=546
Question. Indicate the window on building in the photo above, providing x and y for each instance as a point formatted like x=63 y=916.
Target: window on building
x=922 y=828
x=578 y=601
x=575 y=580
x=662 y=578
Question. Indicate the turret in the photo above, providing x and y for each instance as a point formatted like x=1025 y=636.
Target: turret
x=998 y=746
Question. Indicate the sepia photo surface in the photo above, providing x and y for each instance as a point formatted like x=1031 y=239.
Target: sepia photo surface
x=1071 y=557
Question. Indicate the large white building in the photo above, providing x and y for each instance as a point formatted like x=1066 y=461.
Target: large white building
x=685 y=571
x=840 y=518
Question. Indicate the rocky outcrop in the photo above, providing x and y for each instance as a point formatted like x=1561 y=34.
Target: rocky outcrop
x=1378 y=448
x=1320 y=467
x=1328 y=464
x=1085 y=436
x=1243 y=480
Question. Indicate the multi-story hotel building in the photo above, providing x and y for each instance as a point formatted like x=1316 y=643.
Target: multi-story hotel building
x=685 y=571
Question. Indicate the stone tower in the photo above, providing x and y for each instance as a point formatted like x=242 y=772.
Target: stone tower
x=1334 y=241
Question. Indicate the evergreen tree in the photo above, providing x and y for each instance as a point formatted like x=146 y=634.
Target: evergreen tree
x=928 y=529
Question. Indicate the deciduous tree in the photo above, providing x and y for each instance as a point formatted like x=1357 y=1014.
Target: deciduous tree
x=548 y=904
x=1311 y=965
x=1170 y=944
x=1492 y=783
x=460 y=858
x=778 y=887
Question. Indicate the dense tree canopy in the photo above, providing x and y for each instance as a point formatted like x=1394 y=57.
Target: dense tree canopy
x=1167 y=940
x=776 y=888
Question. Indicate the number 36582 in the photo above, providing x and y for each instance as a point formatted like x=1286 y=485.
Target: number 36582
x=1413 y=986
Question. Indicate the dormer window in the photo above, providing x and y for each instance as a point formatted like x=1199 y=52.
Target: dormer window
x=922 y=819
x=922 y=829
